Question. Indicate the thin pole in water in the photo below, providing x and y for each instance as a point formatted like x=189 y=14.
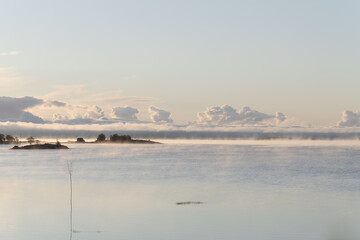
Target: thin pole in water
x=70 y=171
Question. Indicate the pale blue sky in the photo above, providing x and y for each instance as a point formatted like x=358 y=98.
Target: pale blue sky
x=297 y=57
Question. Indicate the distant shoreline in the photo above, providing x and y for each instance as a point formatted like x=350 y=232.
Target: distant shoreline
x=235 y=134
x=101 y=139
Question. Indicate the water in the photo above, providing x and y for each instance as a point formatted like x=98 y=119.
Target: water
x=250 y=189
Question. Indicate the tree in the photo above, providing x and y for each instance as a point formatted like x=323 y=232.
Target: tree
x=9 y=138
x=80 y=140
x=122 y=138
x=101 y=138
x=31 y=140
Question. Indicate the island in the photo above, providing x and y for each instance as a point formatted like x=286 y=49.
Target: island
x=41 y=146
x=115 y=138
x=34 y=143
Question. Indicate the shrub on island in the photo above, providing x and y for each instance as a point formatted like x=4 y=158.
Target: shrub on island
x=80 y=140
x=101 y=138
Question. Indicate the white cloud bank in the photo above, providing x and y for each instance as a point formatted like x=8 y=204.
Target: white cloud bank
x=350 y=119
x=158 y=115
x=25 y=115
x=35 y=110
x=125 y=113
x=227 y=115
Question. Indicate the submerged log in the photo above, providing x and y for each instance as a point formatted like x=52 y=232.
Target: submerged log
x=188 y=202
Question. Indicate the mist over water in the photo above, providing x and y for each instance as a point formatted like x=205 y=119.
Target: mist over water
x=250 y=189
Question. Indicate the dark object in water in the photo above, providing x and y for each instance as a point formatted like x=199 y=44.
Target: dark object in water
x=41 y=146
x=188 y=202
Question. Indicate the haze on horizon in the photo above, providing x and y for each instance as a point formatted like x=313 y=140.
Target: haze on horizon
x=174 y=62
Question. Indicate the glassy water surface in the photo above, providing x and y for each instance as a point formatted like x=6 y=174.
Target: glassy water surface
x=249 y=189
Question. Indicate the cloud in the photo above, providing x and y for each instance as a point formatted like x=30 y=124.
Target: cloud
x=227 y=115
x=159 y=116
x=11 y=53
x=125 y=113
x=57 y=117
x=54 y=104
x=350 y=119
x=13 y=109
x=37 y=110
x=29 y=117
x=94 y=112
x=80 y=115
x=22 y=109
x=280 y=117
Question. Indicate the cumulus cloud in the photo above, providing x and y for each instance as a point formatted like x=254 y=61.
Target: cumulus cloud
x=227 y=115
x=158 y=115
x=57 y=117
x=94 y=112
x=31 y=118
x=125 y=113
x=22 y=109
x=36 y=110
x=54 y=103
x=13 y=109
x=280 y=117
x=350 y=119
x=80 y=115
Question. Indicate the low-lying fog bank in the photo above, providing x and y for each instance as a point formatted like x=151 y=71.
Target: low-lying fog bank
x=255 y=134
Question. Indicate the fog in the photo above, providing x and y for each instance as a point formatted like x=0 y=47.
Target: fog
x=152 y=130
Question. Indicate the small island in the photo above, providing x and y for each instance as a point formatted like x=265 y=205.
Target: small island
x=115 y=138
x=41 y=146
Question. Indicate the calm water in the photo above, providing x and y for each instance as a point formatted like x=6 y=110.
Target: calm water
x=251 y=190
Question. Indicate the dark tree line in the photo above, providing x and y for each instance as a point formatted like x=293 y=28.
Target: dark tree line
x=114 y=138
x=8 y=139
x=121 y=138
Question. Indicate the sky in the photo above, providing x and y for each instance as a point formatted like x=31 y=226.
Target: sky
x=180 y=62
